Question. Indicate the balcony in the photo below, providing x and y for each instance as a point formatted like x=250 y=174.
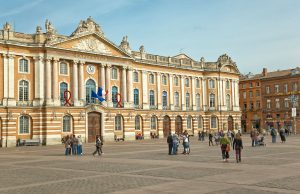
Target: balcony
x=166 y=107
x=137 y=106
x=153 y=107
x=24 y=103
x=189 y=108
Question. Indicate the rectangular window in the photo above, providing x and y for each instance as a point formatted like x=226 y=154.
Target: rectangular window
x=267 y=89
x=244 y=85
x=251 y=94
x=211 y=84
x=251 y=85
x=277 y=103
x=295 y=86
x=276 y=88
x=245 y=106
x=213 y=122
x=63 y=69
x=286 y=103
x=245 y=95
x=258 y=104
x=268 y=104
x=286 y=88
x=251 y=106
x=257 y=84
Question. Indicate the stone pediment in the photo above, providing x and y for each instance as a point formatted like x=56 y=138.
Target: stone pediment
x=91 y=43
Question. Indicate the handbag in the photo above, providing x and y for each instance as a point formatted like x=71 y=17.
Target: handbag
x=228 y=148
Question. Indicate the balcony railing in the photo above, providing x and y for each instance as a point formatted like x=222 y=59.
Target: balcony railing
x=152 y=107
x=24 y=103
x=166 y=108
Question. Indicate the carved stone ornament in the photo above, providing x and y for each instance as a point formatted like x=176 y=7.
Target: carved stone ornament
x=88 y=26
x=92 y=45
x=90 y=69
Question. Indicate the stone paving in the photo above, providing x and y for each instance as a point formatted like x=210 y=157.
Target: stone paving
x=145 y=167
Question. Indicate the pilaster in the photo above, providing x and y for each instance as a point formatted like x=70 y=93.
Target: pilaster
x=39 y=81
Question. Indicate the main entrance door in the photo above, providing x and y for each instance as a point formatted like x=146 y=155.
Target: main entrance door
x=94 y=126
x=230 y=123
x=178 y=125
x=166 y=126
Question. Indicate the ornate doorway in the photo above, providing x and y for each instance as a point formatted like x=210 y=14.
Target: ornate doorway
x=94 y=126
x=230 y=123
x=178 y=125
x=166 y=126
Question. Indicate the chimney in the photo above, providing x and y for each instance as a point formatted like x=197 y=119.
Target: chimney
x=265 y=72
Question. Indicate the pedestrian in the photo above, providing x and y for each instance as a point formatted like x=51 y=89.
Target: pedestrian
x=225 y=147
x=282 y=135
x=210 y=138
x=238 y=146
x=67 y=145
x=273 y=134
x=98 y=146
x=253 y=136
x=79 y=145
x=185 y=142
x=74 y=145
x=175 y=141
x=199 y=136
x=202 y=135
x=170 y=143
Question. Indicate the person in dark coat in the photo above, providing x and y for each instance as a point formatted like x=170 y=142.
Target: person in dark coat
x=170 y=143
x=237 y=146
x=282 y=135
x=98 y=146
x=210 y=137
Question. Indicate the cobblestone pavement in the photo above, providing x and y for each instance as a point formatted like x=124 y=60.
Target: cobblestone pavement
x=145 y=167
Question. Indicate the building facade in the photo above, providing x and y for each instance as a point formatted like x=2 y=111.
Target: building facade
x=48 y=79
x=277 y=89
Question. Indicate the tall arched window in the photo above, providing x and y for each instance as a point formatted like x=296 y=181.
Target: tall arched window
x=23 y=66
x=135 y=76
x=90 y=86
x=213 y=122
x=189 y=122
x=197 y=83
x=153 y=122
x=164 y=99
x=187 y=82
x=199 y=122
x=114 y=92
x=187 y=100
x=151 y=78
x=136 y=97
x=118 y=123
x=176 y=99
x=212 y=100
x=227 y=85
x=24 y=124
x=228 y=102
x=63 y=68
x=152 y=98
x=67 y=123
x=176 y=81
x=137 y=122
x=62 y=88
x=164 y=80
x=114 y=73
x=23 y=90
x=198 y=101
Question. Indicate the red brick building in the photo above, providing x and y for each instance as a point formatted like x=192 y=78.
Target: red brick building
x=270 y=104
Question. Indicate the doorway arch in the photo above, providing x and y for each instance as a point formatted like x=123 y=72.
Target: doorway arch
x=178 y=125
x=166 y=125
x=94 y=126
x=230 y=123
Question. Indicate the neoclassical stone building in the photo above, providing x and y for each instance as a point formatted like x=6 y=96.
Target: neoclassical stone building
x=146 y=93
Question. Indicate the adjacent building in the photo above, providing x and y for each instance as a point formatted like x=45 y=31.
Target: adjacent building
x=48 y=79
x=267 y=99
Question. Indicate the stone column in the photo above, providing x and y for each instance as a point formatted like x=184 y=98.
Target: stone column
x=219 y=94
x=204 y=94
x=129 y=87
x=102 y=77
x=237 y=96
x=75 y=83
x=55 y=84
x=171 y=92
x=233 y=93
x=145 y=90
x=107 y=85
x=182 y=94
x=39 y=81
x=81 y=83
x=49 y=100
x=158 y=93
x=193 y=94
x=9 y=80
x=124 y=86
x=5 y=79
x=223 y=100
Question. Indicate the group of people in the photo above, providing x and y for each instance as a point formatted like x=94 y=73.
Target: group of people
x=73 y=145
x=173 y=141
x=282 y=133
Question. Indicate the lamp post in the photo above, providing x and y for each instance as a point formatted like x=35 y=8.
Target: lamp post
x=294 y=99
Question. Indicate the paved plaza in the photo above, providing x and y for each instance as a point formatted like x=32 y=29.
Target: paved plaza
x=145 y=167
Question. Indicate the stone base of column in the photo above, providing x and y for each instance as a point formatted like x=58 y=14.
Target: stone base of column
x=77 y=103
x=9 y=102
x=56 y=103
x=146 y=106
x=159 y=106
x=126 y=105
x=236 y=108
x=49 y=102
x=194 y=107
x=38 y=102
x=205 y=108
x=183 y=107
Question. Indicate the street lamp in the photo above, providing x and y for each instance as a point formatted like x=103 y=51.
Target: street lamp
x=294 y=99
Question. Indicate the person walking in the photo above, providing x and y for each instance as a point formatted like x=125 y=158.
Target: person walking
x=210 y=138
x=170 y=143
x=273 y=134
x=79 y=146
x=67 y=145
x=253 y=136
x=74 y=145
x=175 y=140
x=98 y=146
x=237 y=146
x=282 y=135
x=225 y=147
x=185 y=142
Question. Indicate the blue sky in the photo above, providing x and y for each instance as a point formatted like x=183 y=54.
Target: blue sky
x=255 y=33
